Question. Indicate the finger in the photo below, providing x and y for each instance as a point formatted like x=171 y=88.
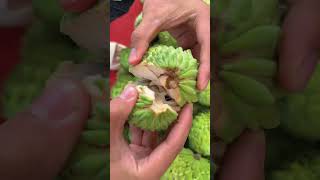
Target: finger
x=185 y=38
x=142 y=36
x=244 y=159
x=203 y=36
x=161 y=158
x=37 y=142
x=136 y=135
x=299 y=46
x=77 y=5
x=120 y=109
x=149 y=139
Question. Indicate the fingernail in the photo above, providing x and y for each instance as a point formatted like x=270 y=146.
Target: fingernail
x=128 y=94
x=58 y=101
x=133 y=56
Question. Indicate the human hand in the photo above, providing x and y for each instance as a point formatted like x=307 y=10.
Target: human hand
x=299 y=45
x=244 y=159
x=36 y=143
x=187 y=21
x=77 y=5
x=143 y=158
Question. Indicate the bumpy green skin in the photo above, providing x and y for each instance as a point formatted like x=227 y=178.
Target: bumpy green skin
x=144 y=117
x=42 y=51
x=248 y=33
x=123 y=79
x=182 y=63
x=302 y=169
x=90 y=158
x=199 y=136
x=204 y=96
x=165 y=38
x=124 y=58
x=301 y=111
x=187 y=166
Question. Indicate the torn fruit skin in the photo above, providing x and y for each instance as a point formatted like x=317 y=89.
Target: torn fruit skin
x=167 y=81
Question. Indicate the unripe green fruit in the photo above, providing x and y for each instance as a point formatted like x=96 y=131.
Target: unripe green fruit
x=204 y=96
x=188 y=165
x=199 y=136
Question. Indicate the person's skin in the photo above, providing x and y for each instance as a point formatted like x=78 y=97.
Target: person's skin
x=187 y=21
x=299 y=44
x=36 y=143
x=143 y=158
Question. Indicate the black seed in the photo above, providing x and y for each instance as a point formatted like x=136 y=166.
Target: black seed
x=168 y=98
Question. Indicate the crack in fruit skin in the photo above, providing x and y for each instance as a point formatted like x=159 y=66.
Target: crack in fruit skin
x=173 y=75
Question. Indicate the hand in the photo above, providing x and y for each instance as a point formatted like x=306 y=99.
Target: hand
x=187 y=21
x=244 y=159
x=36 y=143
x=77 y=5
x=143 y=159
x=299 y=45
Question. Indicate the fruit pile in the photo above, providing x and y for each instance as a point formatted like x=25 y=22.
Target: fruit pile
x=247 y=96
x=47 y=53
x=166 y=80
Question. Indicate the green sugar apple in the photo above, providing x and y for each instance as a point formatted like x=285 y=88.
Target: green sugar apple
x=123 y=78
x=124 y=58
x=247 y=35
x=303 y=168
x=204 y=96
x=301 y=111
x=151 y=111
x=199 y=136
x=167 y=81
x=188 y=165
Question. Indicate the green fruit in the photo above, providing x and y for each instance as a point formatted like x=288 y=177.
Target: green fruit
x=199 y=136
x=163 y=38
x=253 y=67
x=122 y=80
x=173 y=69
x=150 y=112
x=303 y=168
x=124 y=58
x=250 y=90
x=246 y=38
x=204 y=96
x=188 y=165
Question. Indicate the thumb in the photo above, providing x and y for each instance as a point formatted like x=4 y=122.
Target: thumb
x=120 y=108
x=36 y=143
x=142 y=36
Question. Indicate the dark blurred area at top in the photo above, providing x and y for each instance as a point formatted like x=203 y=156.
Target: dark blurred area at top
x=118 y=8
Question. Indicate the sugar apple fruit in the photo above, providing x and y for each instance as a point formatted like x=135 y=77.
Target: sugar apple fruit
x=124 y=58
x=199 y=136
x=123 y=78
x=304 y=168
x=204 y=96
x=188 y=165
x=301 y=111
x=247 y=35
x=167 y=81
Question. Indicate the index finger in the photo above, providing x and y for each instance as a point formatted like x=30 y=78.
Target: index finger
x=161 y=158
x=203 y=37
x=299 y=45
